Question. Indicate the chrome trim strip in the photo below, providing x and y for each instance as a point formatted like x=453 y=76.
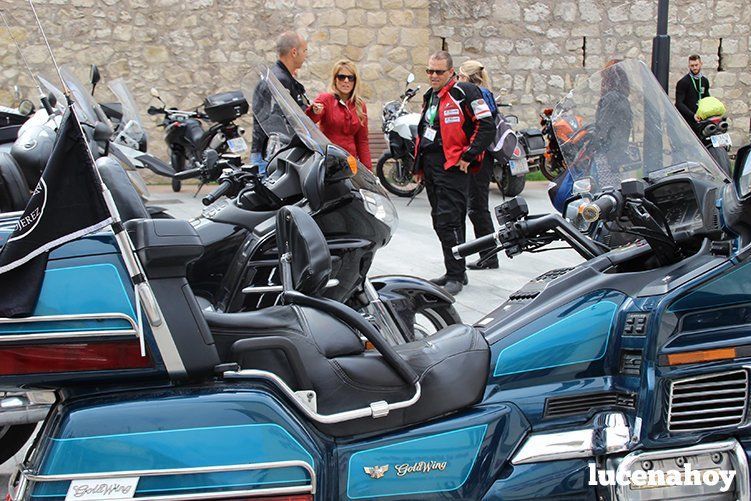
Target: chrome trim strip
x=262 y=289
x=65 y=335
x=608 y=433
x=738 y=455
x=26 y=477
x=375 y=410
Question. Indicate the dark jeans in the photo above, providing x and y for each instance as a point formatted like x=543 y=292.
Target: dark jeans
x=478 y=211
x=447 y=193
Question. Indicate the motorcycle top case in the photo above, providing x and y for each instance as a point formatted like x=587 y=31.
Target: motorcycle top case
x=84 y=326
x=535 y=142
x=226 y=106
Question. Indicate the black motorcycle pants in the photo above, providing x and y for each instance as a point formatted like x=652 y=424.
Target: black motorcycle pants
x=479 y=215
x=447 y=193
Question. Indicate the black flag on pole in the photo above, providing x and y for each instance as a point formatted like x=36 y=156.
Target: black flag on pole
x=66 y=204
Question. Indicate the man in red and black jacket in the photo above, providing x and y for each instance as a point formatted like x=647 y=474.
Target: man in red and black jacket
x=455 y=129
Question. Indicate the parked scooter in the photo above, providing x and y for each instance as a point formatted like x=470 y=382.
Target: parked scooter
x=612 y=369
x=185 y=134
x=395 y=168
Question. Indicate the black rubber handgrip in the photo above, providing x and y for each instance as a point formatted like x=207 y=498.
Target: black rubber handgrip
x=217 y=193
x=187 y=174
x=487 y=242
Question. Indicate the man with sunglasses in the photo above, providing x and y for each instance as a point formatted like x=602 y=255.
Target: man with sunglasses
x=455 y=128
x=292 y=50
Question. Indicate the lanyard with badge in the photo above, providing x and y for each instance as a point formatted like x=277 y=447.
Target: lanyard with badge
x=699 y=88
x=430 y=115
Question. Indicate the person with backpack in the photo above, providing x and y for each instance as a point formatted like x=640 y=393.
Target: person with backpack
x=479 y=183
x=455 y=129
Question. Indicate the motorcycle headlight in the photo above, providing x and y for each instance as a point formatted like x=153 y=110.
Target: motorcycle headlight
x=382 y=208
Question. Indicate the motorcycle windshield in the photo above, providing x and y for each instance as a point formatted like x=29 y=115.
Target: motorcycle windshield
x=277 y=113
x=130 y=110
x=619 y=124
x=82 y=99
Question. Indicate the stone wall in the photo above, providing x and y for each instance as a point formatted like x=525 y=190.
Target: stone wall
x=536 y=50
x=539 y=50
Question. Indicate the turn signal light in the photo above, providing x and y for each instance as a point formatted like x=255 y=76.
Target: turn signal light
x=352 y=161
x=693 y=357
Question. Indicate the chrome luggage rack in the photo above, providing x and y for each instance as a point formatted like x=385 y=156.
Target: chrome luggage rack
x=21 y=480
x=67 y=335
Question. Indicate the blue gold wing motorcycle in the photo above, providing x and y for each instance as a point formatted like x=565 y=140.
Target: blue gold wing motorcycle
x=632 y=363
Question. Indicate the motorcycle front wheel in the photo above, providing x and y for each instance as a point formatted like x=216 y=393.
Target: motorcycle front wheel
x=178 y=164
x=551 y=170
x=396 y=177
x=13 y=438
x=430 y=320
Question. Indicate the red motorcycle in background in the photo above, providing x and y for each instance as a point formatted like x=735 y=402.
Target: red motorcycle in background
x=570 y=130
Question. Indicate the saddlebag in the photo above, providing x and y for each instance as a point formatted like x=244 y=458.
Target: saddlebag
x=534 y=142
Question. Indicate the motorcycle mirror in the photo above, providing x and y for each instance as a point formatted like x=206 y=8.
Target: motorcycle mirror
x=410 y=78
x=155 y=93
x=52 y=100
x=94 y=75
x=102 y=132
x=742 y=173
x=25 y=107
x=512 y=119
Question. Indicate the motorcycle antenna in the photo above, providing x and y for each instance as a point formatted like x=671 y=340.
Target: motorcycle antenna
x=143 y=292
x=23 y=57
x=66 y=90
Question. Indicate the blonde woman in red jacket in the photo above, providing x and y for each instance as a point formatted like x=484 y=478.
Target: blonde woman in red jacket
x=341 y=113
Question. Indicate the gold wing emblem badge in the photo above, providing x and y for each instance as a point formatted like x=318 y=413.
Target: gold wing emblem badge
x=376 y=472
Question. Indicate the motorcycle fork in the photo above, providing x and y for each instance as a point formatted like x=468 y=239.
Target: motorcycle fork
x=382 y=315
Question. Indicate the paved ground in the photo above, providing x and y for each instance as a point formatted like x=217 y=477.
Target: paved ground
x=414 y=250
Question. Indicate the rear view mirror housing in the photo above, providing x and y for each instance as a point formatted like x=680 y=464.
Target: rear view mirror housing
x=742 y=173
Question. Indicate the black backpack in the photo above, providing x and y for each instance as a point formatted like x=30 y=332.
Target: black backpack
x=505 y=141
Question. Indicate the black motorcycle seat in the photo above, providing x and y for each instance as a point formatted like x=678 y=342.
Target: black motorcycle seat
x=311 y=350
x=14 y=192
x=194 y=132
x=127 y=201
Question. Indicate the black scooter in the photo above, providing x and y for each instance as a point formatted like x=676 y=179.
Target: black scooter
x=185 y=134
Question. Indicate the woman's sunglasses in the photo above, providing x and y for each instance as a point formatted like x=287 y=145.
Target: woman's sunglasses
x=430 y=71
x=342 y=78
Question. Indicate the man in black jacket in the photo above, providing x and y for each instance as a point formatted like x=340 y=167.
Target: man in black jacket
x=690 y=89
x=292 y=49
x=455 y=128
